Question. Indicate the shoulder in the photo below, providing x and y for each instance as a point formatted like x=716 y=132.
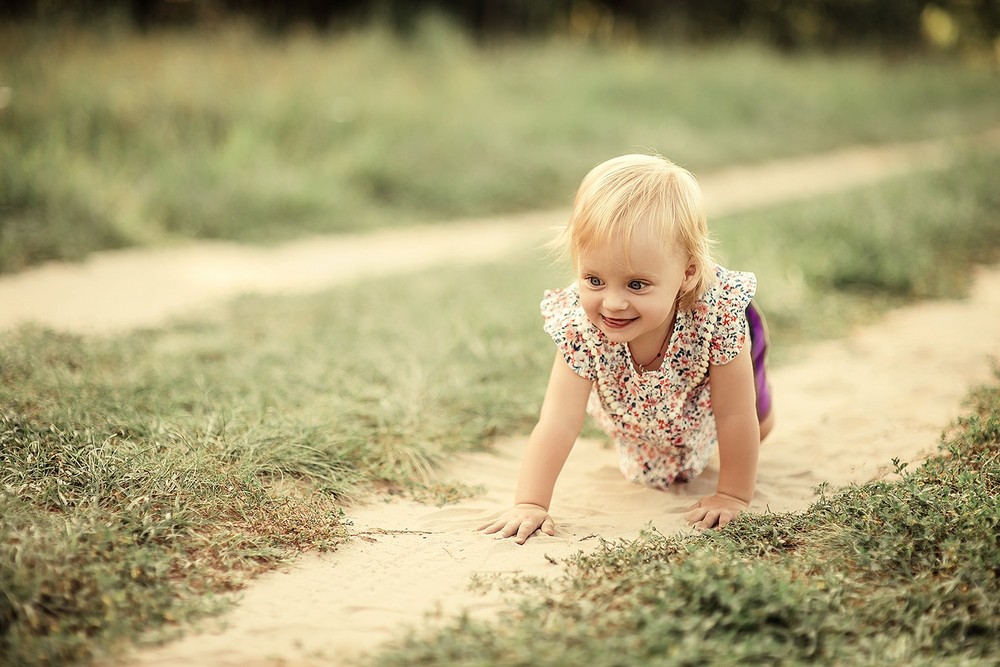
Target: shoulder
x=729 y=292
x=563 y=314
x=560 y=301
x=723 y=311
x=731 y=287
x=574 y=335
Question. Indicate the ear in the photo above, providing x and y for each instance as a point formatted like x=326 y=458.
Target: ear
x=690 y=276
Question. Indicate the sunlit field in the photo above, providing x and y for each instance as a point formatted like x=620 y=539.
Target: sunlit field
x=110 y=139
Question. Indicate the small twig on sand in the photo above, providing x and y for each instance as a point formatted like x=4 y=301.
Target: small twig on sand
x=366 y=534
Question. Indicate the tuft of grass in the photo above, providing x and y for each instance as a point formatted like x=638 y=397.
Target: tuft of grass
x=116 y=139
x=889 y=572
x=106 y=534
x=441 y=493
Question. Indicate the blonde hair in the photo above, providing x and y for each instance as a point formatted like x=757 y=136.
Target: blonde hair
x=647 y=192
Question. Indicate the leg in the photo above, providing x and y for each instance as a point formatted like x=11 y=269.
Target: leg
x=759 y=342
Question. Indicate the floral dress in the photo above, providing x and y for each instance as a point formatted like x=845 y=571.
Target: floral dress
x=661 y=421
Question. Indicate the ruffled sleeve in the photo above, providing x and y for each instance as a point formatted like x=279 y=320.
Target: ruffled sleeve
x=574 y=335
x=728 y=300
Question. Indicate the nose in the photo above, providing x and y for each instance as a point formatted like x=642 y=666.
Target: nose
x=615 y=300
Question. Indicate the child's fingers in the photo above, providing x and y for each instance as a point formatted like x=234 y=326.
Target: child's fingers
x=497 y=523
x=715 y=519
x=512 y=528
x=528 y=529
x=525 y=531
x=710 y=513
x=520 y=527
x=491 y=526
x=696 y=513
x=710 y=520
x=702 y=518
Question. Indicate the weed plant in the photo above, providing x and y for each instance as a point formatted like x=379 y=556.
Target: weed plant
x=111 y=139
x=144 y=475
x=892 y=572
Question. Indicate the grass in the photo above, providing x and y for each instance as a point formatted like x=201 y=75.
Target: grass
x=141 y=474
x=141 y=477
x=901 y=572
x=826 y=264
x=111 y=139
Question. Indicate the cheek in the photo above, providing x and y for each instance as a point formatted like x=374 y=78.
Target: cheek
x=659 y=307
x=590 y=304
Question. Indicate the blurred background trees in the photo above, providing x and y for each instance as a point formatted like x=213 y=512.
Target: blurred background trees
x=889 y=26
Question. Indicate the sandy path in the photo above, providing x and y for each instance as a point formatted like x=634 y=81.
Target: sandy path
x=843 y=412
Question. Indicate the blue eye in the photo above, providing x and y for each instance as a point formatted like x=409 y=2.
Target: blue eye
x=636 y=285
x=594 y=281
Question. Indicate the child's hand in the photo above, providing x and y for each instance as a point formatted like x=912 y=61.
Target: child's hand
x=715 y=511
x=521 y=521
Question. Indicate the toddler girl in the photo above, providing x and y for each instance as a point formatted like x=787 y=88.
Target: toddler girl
x=660 y=345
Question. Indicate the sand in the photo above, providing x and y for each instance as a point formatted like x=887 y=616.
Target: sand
x=844 y=410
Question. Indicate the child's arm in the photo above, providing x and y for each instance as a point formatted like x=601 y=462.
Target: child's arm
x=559 y=424
x=733 y=402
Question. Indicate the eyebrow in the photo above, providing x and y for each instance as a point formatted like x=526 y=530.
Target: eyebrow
x=630 y=276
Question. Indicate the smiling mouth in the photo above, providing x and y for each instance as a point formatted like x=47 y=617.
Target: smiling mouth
x=615 y=323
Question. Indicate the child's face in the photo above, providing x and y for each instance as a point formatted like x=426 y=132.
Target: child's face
x=633 y=302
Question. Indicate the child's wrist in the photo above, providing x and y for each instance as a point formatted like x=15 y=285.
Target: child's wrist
x=730 y=496
x=530 y=505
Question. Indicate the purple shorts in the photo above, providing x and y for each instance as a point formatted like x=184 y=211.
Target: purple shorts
x=758 y=345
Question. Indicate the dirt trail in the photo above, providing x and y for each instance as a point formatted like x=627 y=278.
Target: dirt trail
x=844 y=411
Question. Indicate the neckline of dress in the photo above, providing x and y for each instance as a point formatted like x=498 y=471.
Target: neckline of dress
x=640 y=369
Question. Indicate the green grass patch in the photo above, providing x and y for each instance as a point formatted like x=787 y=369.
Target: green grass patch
x=902 y=572
x=112 y=139
x=827 y=264
x=141 y=476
